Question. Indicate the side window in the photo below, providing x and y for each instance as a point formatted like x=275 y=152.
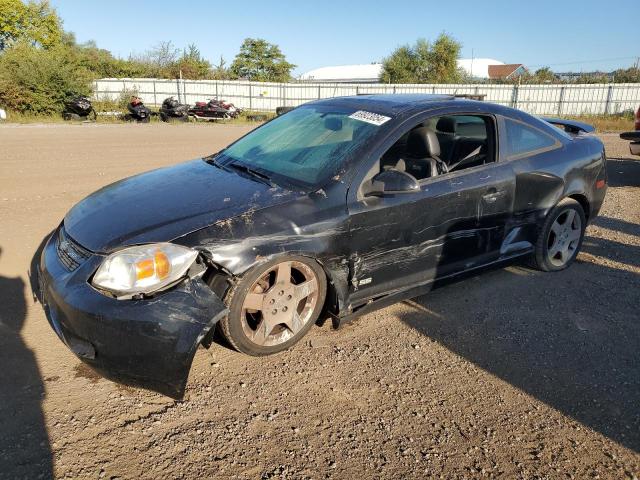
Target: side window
x=466 y=141
x=522 y=139
x=416 y=152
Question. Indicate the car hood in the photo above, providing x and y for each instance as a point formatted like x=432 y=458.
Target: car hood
x=164 y=204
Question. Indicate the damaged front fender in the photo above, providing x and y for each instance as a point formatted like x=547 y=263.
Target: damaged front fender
x=148 y=342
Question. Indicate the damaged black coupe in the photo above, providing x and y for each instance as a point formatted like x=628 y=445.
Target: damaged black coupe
x=334 y=209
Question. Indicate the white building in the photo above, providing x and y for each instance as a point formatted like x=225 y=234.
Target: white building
x=370 y=73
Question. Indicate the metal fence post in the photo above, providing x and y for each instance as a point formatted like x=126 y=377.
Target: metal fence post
x=607 y=105
x=514 y=97
x=318 y=92
x=155 y=100
x=560 y=100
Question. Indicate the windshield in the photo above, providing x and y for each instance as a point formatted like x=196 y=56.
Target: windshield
x=306 y=146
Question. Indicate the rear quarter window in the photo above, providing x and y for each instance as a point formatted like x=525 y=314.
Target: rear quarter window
x=522 y=139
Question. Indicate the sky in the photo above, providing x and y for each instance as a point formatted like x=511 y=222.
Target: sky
x=564 y=35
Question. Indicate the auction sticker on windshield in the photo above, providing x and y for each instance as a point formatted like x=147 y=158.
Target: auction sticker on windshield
x=369 y=117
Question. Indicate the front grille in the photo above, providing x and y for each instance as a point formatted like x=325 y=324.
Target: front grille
x=69 y=252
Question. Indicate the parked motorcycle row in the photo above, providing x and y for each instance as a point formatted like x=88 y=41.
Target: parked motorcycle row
x=80 y=108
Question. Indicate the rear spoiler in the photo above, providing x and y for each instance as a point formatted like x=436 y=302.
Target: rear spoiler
x=570 y=126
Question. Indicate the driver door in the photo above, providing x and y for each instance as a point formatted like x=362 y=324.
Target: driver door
x=453 y=222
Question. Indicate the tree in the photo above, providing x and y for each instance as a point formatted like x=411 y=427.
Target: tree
x=627 y=75
x=37 y=80
x=261 y=61
x=219 y=71
x=163 y=55
x=401 y=66
x=442 y=60
x=424 y=62
x=544 y=75
x=34 y=22
x=191 y=65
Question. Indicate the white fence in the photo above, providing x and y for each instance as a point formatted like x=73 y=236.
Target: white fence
x=536 y=99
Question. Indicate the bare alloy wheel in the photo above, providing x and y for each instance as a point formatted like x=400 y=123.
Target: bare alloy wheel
x=560 y=237
x=564 y=238
x=275 y=305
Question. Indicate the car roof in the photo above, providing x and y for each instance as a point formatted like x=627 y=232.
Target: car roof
x=393 y=104
x=404 y=105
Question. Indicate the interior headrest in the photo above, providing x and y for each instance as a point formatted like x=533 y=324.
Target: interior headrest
x=423 y=143
x=446 y=125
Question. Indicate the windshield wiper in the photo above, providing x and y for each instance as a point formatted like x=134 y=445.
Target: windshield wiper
x=254 y=173
x=212 y=160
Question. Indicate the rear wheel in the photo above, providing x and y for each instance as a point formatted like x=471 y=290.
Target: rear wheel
x=274 y=305
x=561 y=237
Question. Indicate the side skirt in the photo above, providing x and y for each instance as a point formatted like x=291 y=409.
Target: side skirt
x=396 y=296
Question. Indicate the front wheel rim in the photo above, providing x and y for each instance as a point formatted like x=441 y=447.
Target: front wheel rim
x=564 y=238
x=279 y=304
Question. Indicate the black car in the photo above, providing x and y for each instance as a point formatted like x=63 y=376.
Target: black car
x=332 y=210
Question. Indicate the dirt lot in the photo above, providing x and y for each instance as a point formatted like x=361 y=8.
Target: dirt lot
x=510 y=374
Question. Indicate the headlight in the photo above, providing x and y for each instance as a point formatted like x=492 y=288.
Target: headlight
x=143 y=269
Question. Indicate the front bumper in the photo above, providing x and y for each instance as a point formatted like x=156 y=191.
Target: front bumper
x=148 y=343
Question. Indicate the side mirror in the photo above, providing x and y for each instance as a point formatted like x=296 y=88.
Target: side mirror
x=392 y=182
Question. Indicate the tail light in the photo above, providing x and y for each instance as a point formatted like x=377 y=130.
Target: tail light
x=638 y=119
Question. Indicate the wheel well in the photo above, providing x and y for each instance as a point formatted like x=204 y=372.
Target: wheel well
x=220 y=281
x=584 y=203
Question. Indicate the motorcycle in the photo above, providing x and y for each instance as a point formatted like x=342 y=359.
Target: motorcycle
x=138 y=112
x=214 y=109
x=78 y=108
x=171 y=109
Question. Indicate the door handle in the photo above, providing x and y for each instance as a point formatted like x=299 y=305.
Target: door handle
x=493 y=195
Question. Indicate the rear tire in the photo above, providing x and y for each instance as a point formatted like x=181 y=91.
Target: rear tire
x=560 y=238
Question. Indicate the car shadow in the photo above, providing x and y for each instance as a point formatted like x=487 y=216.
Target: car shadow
x=562 y=337
x=25 y=450
x=619 y=252
x=618 y=225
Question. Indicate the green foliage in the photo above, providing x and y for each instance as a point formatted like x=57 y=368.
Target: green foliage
x=192 y=65
x=424 y=62
x=107 y=104
x=544 y=75
x=37 y=80
x=627 y=75
x=219 y=71
x=261 y=61
x=34 y=22
x=165 y=61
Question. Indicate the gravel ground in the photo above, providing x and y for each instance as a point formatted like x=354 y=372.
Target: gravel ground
x=508 y=374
